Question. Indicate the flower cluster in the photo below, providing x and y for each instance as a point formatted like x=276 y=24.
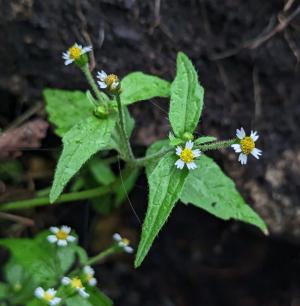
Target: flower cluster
x=246 y=145
x=123 y=243
x=61 y=236
x=75 y=53
x=75 y=283
x=187 y=156
x=48 y=296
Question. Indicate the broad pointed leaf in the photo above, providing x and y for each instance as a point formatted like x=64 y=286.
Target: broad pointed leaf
x=138 y=86
x=186 y=97
x=79 y=144
x=209 y=188
x=165 y=184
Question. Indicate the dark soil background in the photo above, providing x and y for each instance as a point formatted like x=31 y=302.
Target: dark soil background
x=247 y=55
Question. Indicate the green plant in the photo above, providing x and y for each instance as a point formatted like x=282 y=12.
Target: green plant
x=94 y=124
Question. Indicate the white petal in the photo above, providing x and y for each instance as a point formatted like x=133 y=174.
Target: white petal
x=191 y=165
x=179 y=164
x=178 y=150
x=92 y=281
x=55 y=301
x=71 y=238
x=66 y=229
x=256 y=153
x=117 y=237
x=236 y=147
x=62 y=242
x=68 y=62
x=240 y=133
x=189 y=144
x=254 y=136
x=102 y=75
x=102 y=84
x=83 y=293
x=65 y=281
x=243 y=159
x=128 y=249
x=196 y=152
x=88 y=270
x=51 y=291
x=114 y=85
x=66 y=55
x=52 y=238
x=39 y=292
x=87 y=49
x=54 y=229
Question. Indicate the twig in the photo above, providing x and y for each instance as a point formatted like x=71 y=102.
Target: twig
x=288 y=5
x=292 y=45
x=257 y=94
x=18 y=219
x=283 y=22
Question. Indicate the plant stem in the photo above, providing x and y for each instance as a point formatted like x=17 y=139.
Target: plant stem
x=67 y=197
x=94 y=260
x=92 y=83
x=123 y=132
x=205 y=147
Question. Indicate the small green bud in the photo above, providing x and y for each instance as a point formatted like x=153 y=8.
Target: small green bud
x=101 y=112
x=187 y=136
x=82 y=60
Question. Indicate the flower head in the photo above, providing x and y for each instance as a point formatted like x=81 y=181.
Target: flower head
x=48 y=296
x=74 y=53
x=246 y=145
x=61 y=236
x=123 y=243
x=187 y=156
x=89 y=275
x=76 y=284
x=111 y=81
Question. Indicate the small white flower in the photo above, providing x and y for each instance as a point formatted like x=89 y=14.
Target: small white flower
x=49 y=296
x=76 y=284
x=246 y=146
x=89 y=275
x=110 y=81
x=74 y=53
x=123 y=243
x=61 y=236
x=187 y=156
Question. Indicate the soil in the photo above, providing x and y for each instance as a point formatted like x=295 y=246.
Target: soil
x=250 y=79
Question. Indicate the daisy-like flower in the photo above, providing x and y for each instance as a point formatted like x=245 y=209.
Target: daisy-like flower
x=89 y=275
x=48 y=296
x=123 y=243
x=246 y=146
x=187 y=156
x=111 y=81
x=76 y=284
x=61 y=236
x=74 y=53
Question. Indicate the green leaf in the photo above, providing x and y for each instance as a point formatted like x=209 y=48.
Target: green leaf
x=96 y=298
x=186 y=97
x=3 y=290
x=84 y=140
x=174 y=141
x=66 y=108
x=209 y=188
x=101 y=171
x=138 y=86
x=155 y=148
x=204 y=139
x=165 y=184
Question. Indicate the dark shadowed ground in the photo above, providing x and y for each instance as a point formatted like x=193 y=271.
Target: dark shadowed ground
x=247 y=55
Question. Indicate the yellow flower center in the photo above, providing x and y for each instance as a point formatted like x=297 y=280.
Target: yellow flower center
x=187 y=155
x=61 y=235
x=48 y=297
x=111 y=79
x=76 y=283
x=125 y=241
x=247 y=145
x=75 y=53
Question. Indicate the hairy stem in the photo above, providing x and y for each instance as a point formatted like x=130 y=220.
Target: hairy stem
x=92 y=83
x=94 y=260
x=123 y=132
